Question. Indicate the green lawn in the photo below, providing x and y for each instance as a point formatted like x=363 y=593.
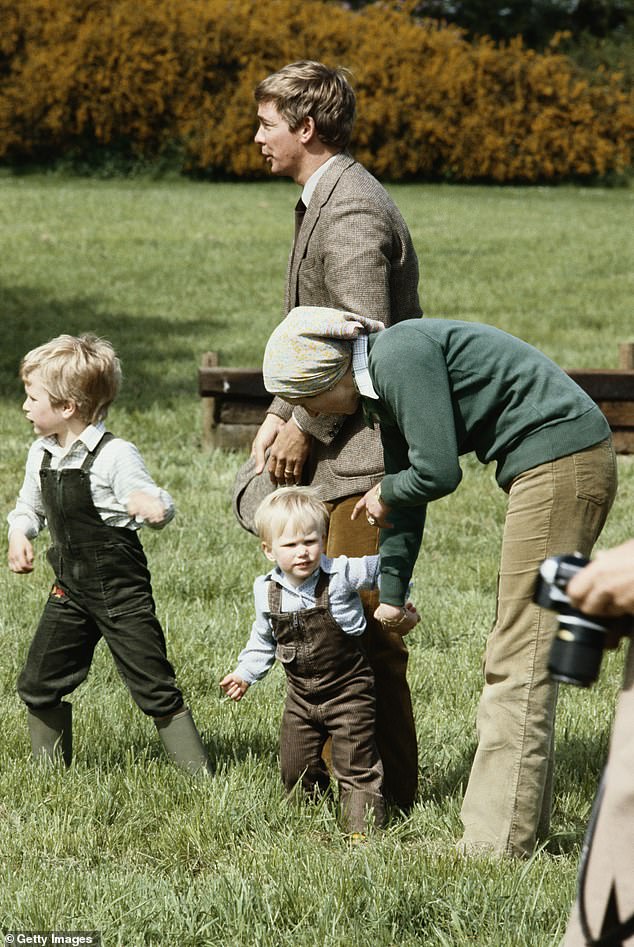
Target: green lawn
x=125 y=844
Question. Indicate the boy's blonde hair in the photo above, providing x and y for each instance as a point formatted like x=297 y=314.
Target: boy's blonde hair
x=83 y=369
x=295 y=507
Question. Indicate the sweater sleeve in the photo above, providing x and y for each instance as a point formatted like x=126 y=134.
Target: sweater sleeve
x=420 y=448
x=419 y=433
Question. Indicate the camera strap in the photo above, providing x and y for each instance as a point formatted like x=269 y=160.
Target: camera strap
x=621 y=931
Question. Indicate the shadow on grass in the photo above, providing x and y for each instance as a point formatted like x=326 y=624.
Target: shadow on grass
x=223 y=753
x=578 y=766
x=579 y=761
x=437 y=784
x=160 y=353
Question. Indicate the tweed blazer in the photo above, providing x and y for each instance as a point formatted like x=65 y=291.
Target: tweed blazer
x=353 y=252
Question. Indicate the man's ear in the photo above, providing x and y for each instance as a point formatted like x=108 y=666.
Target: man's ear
x=268 y=552
x=307 y=130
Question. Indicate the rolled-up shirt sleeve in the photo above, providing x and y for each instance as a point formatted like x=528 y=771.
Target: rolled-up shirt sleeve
x=28 y=514
x=129 y=473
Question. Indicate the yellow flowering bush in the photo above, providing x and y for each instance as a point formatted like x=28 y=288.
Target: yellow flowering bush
x=151 y=75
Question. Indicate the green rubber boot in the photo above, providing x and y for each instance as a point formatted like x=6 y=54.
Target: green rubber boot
x=182 y=742
x=52 y=733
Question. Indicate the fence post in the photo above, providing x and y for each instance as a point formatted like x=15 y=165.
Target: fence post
x=626 y=355
x=209 y=360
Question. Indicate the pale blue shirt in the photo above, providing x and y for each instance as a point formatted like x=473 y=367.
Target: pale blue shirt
x=347 y=576
x=117 y=471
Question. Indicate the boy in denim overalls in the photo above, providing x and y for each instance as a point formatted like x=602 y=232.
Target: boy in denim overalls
x=94 y=492
x=309 y=616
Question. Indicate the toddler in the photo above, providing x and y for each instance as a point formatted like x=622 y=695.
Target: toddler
x=309 y=616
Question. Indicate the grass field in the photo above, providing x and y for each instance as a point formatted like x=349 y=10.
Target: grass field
x=123 y=843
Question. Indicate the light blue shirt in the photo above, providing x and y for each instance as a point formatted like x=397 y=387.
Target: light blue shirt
x=118 y=470
x=347 y=576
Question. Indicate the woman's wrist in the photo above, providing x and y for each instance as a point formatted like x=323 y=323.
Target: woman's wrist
x=396 y=620
x=390 y=615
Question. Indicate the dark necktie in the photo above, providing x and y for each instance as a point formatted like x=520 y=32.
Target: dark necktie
x=300 y=210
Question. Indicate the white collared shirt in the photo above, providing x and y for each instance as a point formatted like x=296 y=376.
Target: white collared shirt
x=117 y=471
x=347 y=576
x=360 y=369
x=313 y=180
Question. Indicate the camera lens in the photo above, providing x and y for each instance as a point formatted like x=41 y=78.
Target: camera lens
x=576 y=652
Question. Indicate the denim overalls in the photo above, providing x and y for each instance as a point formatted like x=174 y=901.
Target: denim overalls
x=330 y=692
x=102 y=589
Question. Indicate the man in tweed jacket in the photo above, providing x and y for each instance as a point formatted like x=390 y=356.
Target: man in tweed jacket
x=352 y=251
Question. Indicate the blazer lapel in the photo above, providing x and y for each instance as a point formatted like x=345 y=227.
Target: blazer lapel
x=321 y=196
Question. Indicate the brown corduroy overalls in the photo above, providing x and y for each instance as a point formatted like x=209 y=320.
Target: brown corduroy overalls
x=330 y=692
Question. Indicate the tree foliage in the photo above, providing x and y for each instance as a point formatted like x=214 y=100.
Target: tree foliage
x=536 y=21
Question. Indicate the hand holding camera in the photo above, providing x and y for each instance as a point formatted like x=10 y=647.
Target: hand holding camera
x=606 y=587
x=577 y=649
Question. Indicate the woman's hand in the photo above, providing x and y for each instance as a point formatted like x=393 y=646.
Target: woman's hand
x=398 y=618
x=376 y=511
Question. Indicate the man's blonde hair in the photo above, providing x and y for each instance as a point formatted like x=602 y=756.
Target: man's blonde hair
x=296 y=507
x=83 y=369
x=309 y=89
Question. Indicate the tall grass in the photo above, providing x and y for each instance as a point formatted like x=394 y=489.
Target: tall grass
x=125 y=844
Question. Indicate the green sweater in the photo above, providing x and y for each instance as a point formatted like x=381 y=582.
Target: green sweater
x=448 y=388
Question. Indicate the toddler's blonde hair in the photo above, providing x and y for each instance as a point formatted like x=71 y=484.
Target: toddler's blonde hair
x=296 y=507
x=83 y=369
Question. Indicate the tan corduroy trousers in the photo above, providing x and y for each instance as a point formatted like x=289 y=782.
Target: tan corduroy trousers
x=558 y=507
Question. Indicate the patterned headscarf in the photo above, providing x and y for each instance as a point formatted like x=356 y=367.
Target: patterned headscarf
x=310 y=351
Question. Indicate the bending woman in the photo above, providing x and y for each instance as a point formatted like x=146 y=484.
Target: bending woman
x=439 y=389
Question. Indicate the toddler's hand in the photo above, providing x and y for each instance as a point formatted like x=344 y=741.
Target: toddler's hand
x=146 y=507
x=20 y=553
x=413 y=617
x=234 y=687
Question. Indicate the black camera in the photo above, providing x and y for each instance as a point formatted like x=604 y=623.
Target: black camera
x=577 y=649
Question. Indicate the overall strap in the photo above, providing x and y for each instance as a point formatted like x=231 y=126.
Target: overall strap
x=89 y=458
x=92 y=454
x=275 y=597
x=321 y=589
x=321 y=593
